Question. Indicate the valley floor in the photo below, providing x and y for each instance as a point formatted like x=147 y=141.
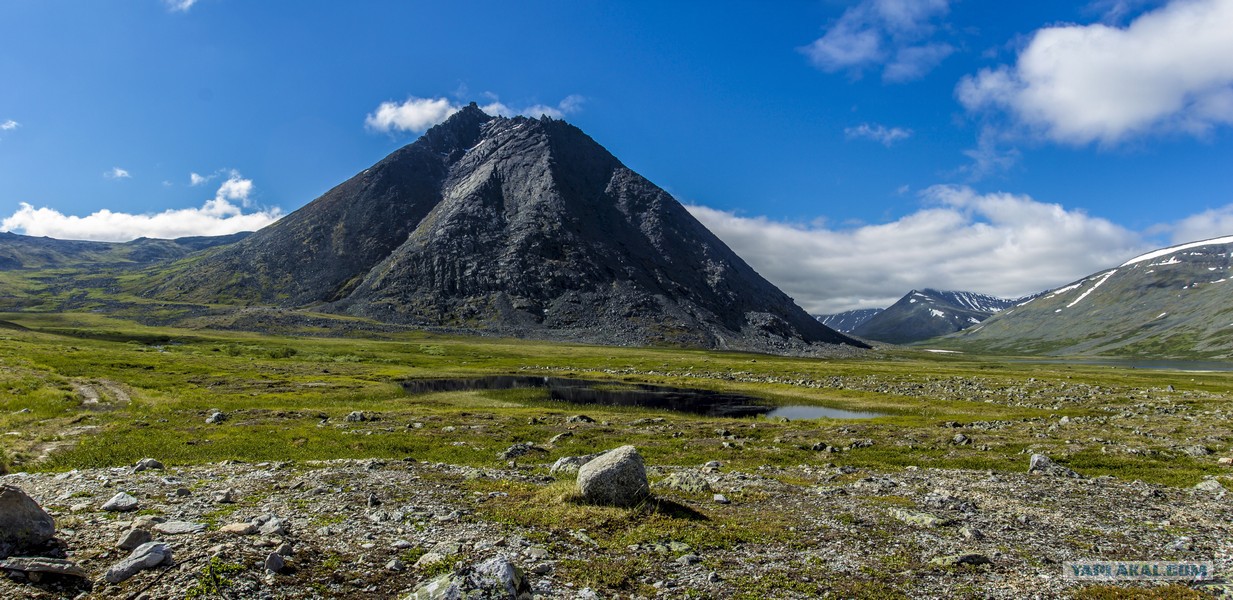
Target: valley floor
x=881 y=507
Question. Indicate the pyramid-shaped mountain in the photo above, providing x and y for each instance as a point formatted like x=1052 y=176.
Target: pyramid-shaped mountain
x=514 y=226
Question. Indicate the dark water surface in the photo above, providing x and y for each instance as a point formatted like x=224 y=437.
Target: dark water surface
x=643 y=395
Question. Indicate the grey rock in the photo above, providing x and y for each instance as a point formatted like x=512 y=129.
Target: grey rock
x=685 y=481
x=226 y=496
x=121 y=502
x=145 y=556
x=689 y=559
x=216 y=417
x=618 y=478
x=273 y=526
x=921 y=519
x=560 y=436
x=721 y=499
x=494 y=578
x=356 y=416
x=570 y=464
x=285 y=549
x=1196 y=450
x=274 y=562
x=23 y=523
x=147 y=464
x=519 y=449
x=39 y=564
x=1211 y=486
x=133 y=538
x=579 y=419
x=971 y=533
x=1043 y=465
x=395 y=565
x=180 y=527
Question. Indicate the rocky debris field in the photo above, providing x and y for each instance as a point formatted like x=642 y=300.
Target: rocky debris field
x=399 y=529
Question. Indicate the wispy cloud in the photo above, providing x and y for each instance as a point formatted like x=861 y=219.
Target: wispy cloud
x=418 y=114
x=196 y=179
x=117 y=173
x=1167 y=71
x=179 y=5
x=220 y=215
x=890 y=34
x=881 y=134
x=1002 y=244
x=9 y=125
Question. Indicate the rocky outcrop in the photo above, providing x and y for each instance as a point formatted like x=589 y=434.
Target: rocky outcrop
x=23 y=523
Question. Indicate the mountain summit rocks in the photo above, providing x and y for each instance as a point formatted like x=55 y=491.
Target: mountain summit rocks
x=514 y=226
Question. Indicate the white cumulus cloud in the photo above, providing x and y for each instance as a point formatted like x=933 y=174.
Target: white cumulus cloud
x=1002 y=244
x=117 y=173
x=9 y=125
x=418 y=114
x=223 y=214
x=179 y=5
x=881 y=134
x=893 y=34
x=1208 y=224
x=1168 y=70
x=195 y=179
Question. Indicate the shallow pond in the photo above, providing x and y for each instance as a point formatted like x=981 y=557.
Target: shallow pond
x=617 y=393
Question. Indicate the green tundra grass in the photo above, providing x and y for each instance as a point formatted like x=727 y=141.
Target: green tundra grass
x=83 y=390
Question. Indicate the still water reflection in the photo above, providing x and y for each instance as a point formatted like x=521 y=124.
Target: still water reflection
x=608 y=393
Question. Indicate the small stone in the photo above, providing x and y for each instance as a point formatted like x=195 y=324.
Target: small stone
x=121 y=502
x=560 y=436
x=179 y=527
x=402 y=545
x=285 y=549
x=1196 y=450
x=712 y=577
x=274 y=562
x=537 y=553
x=183 y=492
x=38 y=564
x=147 y=464
x=395 y=565
x=1211 y=486
x=1045 y=466
x=273 y=526
x=960 y=559
x=1182 y=544
x=226 y=496
x=373 y=500
x=918 y=518
x=689 y=559
x=570 y=464
x=145 y=556
x=685 y=481
x=721 y=499
x=971 y=533
x=356 y=416
x=216 y=417
x=961 y=440
x=132 y=539
x=239 y=528
x=579 y=419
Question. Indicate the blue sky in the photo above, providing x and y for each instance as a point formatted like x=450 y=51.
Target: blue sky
x=850 y=151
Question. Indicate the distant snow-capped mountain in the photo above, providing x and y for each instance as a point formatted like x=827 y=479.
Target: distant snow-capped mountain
x=848 y=320
x=928 y=313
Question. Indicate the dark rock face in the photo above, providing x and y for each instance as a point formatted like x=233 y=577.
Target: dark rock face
x=517 y=226
x=23 y=523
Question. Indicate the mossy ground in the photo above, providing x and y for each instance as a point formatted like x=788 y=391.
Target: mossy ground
x=287 y=398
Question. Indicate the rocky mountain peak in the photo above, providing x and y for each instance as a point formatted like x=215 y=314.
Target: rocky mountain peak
x=460 y=131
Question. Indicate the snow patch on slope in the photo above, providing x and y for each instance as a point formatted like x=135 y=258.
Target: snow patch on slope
x=1172 y=249
x=1092 y=289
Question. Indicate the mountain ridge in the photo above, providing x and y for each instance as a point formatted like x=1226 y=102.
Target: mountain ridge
x=514 y=226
